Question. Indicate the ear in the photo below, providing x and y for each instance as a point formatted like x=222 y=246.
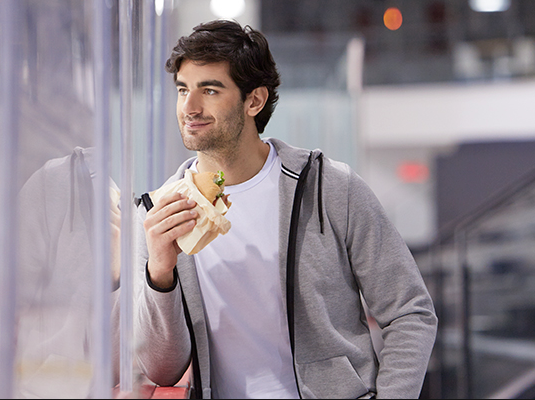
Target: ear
x=256 y=100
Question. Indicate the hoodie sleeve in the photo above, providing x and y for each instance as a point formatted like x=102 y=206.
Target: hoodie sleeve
x=395 y=292
x=163 y=345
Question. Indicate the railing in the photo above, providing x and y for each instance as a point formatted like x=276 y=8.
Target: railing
x=483 y=283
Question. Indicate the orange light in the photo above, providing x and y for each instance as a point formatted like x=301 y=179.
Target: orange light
x=393 y=18
x=413 y=172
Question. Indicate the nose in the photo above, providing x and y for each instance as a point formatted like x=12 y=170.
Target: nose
x=191 y=104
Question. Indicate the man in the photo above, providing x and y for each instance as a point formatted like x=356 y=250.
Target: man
x=273 y=309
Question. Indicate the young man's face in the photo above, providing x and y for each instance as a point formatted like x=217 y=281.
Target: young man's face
x=209 y=108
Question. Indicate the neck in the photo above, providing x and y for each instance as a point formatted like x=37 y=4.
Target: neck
x=244 y=162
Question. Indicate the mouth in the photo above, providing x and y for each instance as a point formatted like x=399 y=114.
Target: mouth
x=194 y=125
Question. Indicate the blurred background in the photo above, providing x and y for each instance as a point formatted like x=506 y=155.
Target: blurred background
x=431 y=102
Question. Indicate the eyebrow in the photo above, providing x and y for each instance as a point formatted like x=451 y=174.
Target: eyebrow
x=212 y=82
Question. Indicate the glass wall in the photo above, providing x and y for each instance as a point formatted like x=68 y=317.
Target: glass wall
x=83 y=134
x=58 y=206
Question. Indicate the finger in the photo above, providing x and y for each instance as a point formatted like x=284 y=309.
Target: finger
x=168 y=218
x=166 y=200
x=180 y=230
x=165 y=207
x=175 y=220
x=115 y=216
x=160 y=241
x=173 y=208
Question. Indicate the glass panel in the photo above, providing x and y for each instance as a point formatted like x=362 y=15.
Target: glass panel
x=60 y=162
x=87 y=114
x=9 y=77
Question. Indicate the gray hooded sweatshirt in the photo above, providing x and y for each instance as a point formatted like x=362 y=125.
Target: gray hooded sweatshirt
x=336 y=244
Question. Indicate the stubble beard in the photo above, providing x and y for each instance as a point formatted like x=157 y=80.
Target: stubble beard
x=219 y=141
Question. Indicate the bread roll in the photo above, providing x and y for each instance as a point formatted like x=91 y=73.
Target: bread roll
x=206 y=183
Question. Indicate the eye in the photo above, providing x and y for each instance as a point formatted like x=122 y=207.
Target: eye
x=210 y=92
x=182 y=91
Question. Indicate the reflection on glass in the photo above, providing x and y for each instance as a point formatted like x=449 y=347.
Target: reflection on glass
x=56 y=277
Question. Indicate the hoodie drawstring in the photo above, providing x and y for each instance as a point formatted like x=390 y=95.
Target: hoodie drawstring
x=72 y=193
x=292 y=241
x=320 y=191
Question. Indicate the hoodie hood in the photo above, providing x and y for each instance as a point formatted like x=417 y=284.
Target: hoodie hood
x=296 y=163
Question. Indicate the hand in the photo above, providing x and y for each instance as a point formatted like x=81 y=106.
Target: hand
x=171 y=217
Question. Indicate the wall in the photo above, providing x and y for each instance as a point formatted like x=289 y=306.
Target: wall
x=423 y=122
x=438 y=115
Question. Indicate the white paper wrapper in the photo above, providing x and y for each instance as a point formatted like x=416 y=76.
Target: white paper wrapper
x=211 y=221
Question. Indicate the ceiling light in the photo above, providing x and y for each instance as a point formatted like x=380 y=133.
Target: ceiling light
x=159 y=6
x=228 y=9
x=490 y=5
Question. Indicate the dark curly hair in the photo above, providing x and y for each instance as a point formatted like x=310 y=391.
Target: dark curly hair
x=245 y=49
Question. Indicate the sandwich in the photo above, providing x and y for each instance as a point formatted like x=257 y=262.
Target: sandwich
x=207 y=190
x=212 y=186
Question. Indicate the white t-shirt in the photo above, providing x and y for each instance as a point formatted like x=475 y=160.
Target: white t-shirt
x=240 y=283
